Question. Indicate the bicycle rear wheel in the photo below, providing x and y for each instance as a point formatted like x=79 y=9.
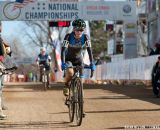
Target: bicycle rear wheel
x=79 y=101
x=44 y=80
x=71 y=105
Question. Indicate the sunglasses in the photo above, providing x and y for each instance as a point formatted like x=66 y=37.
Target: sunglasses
x=81 y=30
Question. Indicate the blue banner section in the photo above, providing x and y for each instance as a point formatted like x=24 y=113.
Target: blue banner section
x=19 y=1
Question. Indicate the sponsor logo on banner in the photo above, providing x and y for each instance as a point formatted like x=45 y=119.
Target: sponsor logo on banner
x=127 y=9
x=11 y=13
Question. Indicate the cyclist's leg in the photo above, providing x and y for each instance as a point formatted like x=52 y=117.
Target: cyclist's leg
x=40 y=73
x=48 y=79
x=48 y=74
x=155 y=87
x=68 y=76
x=156 y=91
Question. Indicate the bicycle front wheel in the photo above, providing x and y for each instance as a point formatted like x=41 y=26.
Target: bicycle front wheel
x=71 y=104
x=78 y=91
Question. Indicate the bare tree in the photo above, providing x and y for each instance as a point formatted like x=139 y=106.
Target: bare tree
x=17 y=48
x=38 y=33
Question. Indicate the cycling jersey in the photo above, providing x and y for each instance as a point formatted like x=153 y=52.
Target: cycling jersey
x=72 y=48
x=44 y=59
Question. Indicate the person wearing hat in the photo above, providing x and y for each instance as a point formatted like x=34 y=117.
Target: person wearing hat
x=156 y=78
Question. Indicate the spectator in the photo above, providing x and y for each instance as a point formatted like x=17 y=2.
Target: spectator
x=2 y=52
x=155 y=50
x=156 y=77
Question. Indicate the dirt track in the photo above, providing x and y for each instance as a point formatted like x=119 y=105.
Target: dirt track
x=107 y=107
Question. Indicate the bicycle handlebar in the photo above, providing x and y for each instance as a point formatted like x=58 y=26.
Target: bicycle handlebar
x=85 y=67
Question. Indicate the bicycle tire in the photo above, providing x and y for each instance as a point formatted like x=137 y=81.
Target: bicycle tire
x=79 y=101
x=44 y=82
x=45 y=86
x=71 y=105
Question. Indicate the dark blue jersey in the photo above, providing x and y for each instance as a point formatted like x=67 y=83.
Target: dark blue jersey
x=44 y=59
x=72 y=48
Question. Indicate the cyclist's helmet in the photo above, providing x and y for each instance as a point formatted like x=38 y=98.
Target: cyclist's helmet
x=43 y=49
x=79 y=24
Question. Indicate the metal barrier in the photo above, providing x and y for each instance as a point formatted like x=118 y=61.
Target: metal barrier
x=130 y=69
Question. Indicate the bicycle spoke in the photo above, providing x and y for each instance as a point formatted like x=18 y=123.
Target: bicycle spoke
x=79 y=102
x=71 y=105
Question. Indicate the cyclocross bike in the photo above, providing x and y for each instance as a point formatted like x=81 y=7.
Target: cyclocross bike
x=75 y=99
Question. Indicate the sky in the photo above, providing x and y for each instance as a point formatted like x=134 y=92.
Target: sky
x=11 y=28
x=14 y=29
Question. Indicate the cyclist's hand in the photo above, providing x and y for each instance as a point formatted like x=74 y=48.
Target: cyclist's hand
x=63 y=66
x=93 y=67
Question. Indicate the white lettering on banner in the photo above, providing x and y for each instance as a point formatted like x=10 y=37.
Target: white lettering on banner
x=62 y=7
x=54 y=11
x=51 y=15
x=69 y=10
x=63 y=0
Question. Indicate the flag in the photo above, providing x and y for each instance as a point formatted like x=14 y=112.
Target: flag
x=85 y=55
x=22 y=3
x=57 y=47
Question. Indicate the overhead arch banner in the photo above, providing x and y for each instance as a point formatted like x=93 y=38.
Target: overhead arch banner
x=70 y=10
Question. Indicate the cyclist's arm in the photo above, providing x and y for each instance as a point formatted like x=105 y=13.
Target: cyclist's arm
x=37 y=60
x=64 y=48
x=63 y=53
x=89 y=49
x=49 y=59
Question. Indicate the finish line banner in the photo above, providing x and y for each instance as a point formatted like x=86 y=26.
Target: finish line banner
x=61 y=10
